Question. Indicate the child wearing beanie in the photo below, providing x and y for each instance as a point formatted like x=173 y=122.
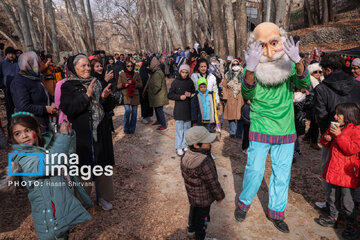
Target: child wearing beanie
x=203 y=106
x=181 y=91
x=201 y=180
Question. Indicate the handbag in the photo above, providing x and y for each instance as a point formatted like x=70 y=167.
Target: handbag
x=119 y=98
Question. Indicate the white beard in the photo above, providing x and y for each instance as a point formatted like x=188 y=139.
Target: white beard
x=274 y=71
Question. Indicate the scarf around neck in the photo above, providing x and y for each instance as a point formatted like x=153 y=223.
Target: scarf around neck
x=234 y=80
x=97 y=110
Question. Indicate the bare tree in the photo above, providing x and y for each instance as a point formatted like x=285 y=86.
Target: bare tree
x=43 y=19
x=282 y=17
x=230 y=31
x=218 y=27
x=307 y=14
x=12 y=18
x=166 y=8
x=25 y=26
x=325 y=11
x=91 y=22
x=241 y=27
x=188 y=22
x=54 y=38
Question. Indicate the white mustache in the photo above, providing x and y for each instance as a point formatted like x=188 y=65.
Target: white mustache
x=275 y=57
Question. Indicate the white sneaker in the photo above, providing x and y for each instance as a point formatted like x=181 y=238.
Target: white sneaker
x=185 y=149
x=105 y=204
x=179 y=152
x=213 y=157
x=145 y=121
x=207 y=238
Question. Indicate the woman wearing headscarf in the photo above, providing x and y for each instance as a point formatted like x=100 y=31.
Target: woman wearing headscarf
x=85 y=101
x=130 y=82
x=105 y=77
x=233 y=98
x=158 y=93
x=28 y=92
x=146 y=111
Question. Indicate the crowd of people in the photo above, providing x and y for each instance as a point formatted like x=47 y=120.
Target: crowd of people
x=267 y=100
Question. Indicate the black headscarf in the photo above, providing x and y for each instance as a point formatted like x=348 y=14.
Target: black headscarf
x=70 y=64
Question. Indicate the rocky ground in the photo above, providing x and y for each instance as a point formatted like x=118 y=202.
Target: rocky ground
x=151 y=202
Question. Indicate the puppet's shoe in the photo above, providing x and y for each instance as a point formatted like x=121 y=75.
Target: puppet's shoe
x=240 y=215
x=280 y=225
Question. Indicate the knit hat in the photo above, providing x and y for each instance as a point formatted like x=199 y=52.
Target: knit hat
x=356 y=62
x=184 y=67
x=314 y=67
x=199 y=134
x=48 y=55
x=200 y=81
x=230 y=58
x=10 y=50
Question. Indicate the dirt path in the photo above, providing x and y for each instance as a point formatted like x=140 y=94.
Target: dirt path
x=151 y=201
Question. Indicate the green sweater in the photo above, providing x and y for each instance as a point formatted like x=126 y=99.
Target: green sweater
x=272 y=109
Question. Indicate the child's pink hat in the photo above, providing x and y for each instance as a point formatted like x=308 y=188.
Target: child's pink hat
x=184 y=67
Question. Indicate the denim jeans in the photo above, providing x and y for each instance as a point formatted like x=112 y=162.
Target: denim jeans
x=130 y=118
x=160 y=116
x=181 y=128
x=236 y=127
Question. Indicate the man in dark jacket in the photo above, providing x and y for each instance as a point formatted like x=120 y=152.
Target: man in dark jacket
x=8 y=70
x=337 y=87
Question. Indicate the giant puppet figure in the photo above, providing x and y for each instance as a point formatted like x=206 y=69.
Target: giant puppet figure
x=273 y=66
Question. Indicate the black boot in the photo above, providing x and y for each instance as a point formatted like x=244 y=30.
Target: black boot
x=280 y=225
x=351 y=232
x=239 y=214
x=326 y=221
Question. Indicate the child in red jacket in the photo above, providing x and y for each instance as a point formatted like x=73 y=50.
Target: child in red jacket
x=343 y=167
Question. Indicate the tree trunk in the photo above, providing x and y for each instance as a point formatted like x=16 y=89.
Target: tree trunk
x=325 y=11
x=282 y=17
x=268 y=11
x=331 y=11
x=43 y=17
x=77 y=28
x=84 y=25
x=33 y=32
x=230 y=31
x=307 y=14
x=54 y=39
x=166 y=8
x=25 y=26
x=92 y=29
x=218 y=28
x=13 y=21
x=188 y=22
x=241 y=27
x=317 y=15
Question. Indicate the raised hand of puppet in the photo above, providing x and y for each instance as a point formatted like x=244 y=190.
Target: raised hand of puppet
x=292 y=49
x=253 y=56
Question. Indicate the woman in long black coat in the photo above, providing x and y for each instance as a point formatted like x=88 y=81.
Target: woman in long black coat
x=85 y=102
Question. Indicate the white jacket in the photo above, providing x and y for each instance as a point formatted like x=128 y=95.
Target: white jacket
x=211 y=84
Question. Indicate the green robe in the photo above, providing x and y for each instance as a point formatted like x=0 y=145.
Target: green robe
x=272 y=109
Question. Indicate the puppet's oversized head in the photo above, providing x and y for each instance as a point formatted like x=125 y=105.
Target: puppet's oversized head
x=275 y=66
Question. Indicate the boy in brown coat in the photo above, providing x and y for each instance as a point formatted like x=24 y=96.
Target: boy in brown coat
x=201 y=180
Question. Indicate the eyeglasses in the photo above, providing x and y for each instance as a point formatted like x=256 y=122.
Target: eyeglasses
x=236 y=64
x=318 y=72
x=130 y=66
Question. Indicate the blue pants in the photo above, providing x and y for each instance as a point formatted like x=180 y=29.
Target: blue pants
x=181 y=128
x=236 y=128
x=130 y=118
x=160 y=116
x=281 y=160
